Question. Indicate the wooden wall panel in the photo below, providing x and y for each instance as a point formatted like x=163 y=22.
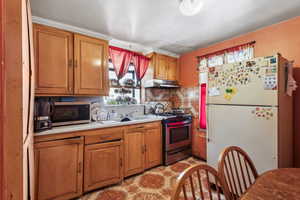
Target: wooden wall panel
x=12 y=96
x=1 y=96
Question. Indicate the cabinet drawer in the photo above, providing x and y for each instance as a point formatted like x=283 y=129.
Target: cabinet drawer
x=105 y=135
x=138 y=127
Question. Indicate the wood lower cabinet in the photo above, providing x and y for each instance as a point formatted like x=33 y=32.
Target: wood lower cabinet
x=59 y=169
x=53 y=58
x=153 y=143
x=91 y=66
x=199 y=145
x=143 y=148
x=103 y=164
x=134 y=152
x=89 y=160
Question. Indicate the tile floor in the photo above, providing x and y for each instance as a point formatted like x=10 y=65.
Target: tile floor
x=155 y=184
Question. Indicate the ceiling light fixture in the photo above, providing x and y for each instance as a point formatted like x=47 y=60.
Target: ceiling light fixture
x=190 y=7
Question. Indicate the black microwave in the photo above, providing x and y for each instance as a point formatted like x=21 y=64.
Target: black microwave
x=69 y=113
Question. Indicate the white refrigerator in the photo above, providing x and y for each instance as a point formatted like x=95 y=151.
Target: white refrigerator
x=247 y=106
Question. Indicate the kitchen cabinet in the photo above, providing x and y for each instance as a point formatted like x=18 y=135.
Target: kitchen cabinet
x=59 y=169
x=199 y=144
x=53 y=57
x=134 y=152
x=153 y=150
x=162 y=67
x=91 y=66
x=103 y=164
x=143 y=148
x=69 y=63
x=172 y=69
x=72 y=163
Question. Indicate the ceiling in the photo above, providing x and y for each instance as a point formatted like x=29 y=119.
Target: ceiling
x=159 y=24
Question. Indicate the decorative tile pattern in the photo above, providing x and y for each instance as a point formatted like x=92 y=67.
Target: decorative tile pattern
x=155 y=184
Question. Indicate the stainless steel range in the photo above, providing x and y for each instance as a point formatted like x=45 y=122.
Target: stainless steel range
x=177 y=137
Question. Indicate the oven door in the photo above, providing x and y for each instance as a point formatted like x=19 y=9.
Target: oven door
x=66 y=113
x=178 y=135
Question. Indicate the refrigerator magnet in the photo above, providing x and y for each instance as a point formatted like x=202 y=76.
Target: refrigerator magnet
x=214 y=91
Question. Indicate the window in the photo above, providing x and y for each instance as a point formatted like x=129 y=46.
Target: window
x=125 y=91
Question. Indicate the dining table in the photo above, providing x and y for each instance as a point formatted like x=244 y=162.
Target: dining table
x=278 y=184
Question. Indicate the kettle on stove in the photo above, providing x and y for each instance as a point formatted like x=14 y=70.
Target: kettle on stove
x=159 y=108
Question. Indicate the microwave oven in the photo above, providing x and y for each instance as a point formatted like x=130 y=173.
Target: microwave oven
x=69 y=113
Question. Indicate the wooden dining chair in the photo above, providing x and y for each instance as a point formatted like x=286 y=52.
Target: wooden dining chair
x=237 y=170
x=200 y=182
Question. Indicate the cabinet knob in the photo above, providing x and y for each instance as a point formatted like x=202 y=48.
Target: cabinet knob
x=70 y=63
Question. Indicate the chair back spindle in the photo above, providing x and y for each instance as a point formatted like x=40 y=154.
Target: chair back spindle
x=196 y=183
x=236 y=170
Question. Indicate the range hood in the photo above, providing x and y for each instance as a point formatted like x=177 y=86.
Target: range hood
x=156 y=83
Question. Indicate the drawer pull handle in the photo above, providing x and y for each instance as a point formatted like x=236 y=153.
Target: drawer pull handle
x=104 y=137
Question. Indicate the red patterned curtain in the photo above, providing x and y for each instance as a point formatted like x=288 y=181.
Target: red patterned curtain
x=121 y=59
x=141 y=64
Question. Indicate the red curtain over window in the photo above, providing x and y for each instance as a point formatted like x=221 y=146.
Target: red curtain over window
x=202 y=106
x=228 y=50
x=121 y=59
x=141 y=64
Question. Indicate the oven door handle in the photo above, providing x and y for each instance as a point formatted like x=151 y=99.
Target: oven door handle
x=187 y=122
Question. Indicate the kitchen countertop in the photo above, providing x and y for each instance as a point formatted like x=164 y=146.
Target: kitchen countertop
x=97 y=125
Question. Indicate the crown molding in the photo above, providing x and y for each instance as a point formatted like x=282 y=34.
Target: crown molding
x=70 y=28
x=115 y=42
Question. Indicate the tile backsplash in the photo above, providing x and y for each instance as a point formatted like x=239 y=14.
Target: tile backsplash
x=186 y=98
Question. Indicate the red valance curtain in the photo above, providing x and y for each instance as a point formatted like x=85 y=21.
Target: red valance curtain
x=228 y=50
x=121 y=59
x=141 y=64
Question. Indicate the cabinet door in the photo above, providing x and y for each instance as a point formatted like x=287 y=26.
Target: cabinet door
x=103 y=165
x=54 y=57
x=58 y=169
x=172 y=69
x=153 y=143
x=161 y=67
x=91 y=66
x=199 y=144
x=134 y=152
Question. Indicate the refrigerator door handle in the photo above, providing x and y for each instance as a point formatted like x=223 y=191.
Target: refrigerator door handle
x=208 y=125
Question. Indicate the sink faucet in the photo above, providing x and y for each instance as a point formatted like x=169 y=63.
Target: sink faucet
x=130 y=114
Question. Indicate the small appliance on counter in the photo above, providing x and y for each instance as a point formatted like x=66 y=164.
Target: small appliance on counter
x=70 y=113
x=42 y=114
x=49 y=113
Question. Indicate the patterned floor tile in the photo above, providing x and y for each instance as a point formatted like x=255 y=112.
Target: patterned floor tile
x=154 y=184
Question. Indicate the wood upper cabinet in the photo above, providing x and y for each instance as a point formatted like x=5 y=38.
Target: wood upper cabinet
x=70 y=64
x=172 y=69
x=153 y=143
x=134 y=152
x=91 y=66
x=54 y=57
x=103 y=165
x=59 y=169
x=143 y=147
x=161 y=70
x=162 y=67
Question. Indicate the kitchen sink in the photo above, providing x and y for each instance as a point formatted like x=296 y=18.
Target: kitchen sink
x=126 y=119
